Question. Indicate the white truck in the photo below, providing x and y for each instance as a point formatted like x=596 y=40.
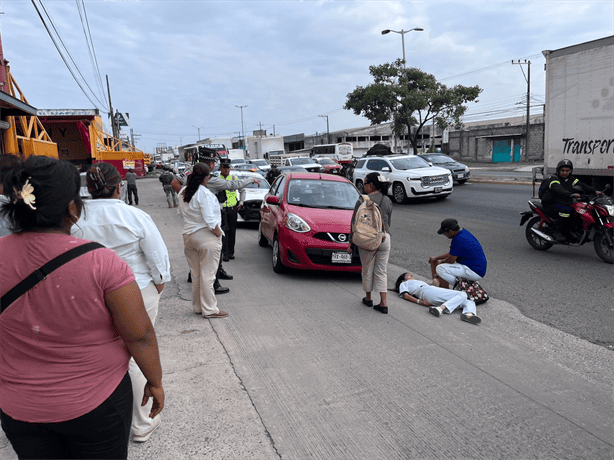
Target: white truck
x=259 y=146
x=580 y=110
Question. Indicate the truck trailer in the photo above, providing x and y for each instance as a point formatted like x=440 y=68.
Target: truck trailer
x=580 y=111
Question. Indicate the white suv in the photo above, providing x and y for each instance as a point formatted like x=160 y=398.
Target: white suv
x=409 y=175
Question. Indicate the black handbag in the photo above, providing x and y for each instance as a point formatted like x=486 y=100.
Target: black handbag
x=41 y=273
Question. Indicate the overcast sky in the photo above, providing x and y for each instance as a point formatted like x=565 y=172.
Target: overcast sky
x=176 y=66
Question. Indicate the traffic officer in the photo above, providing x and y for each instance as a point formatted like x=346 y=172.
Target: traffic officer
x=230 y=208
x=217 y=184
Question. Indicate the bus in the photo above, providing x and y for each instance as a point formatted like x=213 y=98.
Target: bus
x=341 y=153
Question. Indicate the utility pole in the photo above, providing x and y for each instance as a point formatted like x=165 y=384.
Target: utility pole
x=327 y=130
x=242 y=129
x=113 y=124
x=528 y=79
x=198 y=132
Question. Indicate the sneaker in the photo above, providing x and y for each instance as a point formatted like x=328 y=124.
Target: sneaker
x=219 y=314
x=471 y=318
x=145 y=436
x=435 y=311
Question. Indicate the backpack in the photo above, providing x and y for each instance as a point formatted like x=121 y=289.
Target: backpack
x=166 y=178
x=473 y=290
x=543 y=188
x=367 y=227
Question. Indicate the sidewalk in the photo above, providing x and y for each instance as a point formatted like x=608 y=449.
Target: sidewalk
x=516 y=173
x=301 y=370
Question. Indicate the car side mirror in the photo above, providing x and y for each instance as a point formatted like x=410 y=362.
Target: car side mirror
x=272 y=199
x=386 y=169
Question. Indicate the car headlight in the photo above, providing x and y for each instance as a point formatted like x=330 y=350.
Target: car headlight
x=466 y=169
x=412 y=178
x=296 y=224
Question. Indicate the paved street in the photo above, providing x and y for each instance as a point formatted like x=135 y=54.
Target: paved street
x=301 y=369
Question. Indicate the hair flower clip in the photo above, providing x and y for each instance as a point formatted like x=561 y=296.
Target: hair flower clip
x=26 y=194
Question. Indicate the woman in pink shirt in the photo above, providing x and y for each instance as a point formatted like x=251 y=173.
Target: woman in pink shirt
x=65 y=343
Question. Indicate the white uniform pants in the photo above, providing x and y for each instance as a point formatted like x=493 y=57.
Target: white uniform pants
x=450 y=272
x=141 y=423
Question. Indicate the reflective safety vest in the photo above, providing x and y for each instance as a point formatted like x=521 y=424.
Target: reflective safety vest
x=231 y=195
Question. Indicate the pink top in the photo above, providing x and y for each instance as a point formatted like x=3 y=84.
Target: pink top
x=60 y=354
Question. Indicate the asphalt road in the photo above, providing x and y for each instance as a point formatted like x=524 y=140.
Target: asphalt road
x=568 y=288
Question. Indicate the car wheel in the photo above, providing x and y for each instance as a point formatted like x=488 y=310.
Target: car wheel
x=278 y=266
x=462 y=181
x=398 y=193
x=360 y=186
x=442 y=197
x=262 y=241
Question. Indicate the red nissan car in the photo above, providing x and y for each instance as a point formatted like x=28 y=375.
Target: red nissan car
x=306 y=218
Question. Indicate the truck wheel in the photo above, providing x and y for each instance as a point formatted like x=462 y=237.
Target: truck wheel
x=360 y=186
x=398 y=193
x=602 y=248
x=262 y=241
x=278 y=266
x=535 y=241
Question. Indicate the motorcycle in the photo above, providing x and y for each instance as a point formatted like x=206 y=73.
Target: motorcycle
x=592 y=220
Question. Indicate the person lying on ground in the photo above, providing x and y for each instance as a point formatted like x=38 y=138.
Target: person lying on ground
x=438 y=300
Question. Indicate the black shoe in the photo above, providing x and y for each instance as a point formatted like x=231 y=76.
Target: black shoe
x=225 y=258
x=368 y=303
x=471 y=318
x=189 y=277
x=223 y=275
x=378 y=307
x=221 y=290
x=231 y=256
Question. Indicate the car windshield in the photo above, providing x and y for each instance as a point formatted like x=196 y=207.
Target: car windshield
x=326 y=194
x=438 y=159
x=263 y=184
x=409 y=163
x=302 y=161
x=259 y=162
x=326 y=161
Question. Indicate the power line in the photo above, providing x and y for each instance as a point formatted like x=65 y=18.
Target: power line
x=68 y=53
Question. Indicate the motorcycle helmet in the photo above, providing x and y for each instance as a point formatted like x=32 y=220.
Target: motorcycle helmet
x=564 y=164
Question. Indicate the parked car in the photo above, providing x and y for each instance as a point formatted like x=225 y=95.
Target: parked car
x=306 y=218
x=330 y=166
x=247 y=167
x=284 y=169
x=260 y=163
x=460 y=172
x=254 y=194
x=308 y=163
x=237 y=161
x=410 y=176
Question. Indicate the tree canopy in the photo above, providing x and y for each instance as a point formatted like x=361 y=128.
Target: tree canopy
x=409 y=97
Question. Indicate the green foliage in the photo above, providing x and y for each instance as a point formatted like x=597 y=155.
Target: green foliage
x=410 y=97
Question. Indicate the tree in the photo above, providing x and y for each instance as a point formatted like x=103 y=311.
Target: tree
x=409 y=97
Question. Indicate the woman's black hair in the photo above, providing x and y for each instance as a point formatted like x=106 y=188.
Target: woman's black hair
x=380 y=186
x=55 y=183
x=102 y=180
x=199 y=173
x=397 y=283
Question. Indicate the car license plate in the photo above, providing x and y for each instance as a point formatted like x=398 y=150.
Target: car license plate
x=342 y=258
x=437 y=189
x=460 y=176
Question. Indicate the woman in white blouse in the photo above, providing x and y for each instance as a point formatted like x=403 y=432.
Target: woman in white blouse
x=133 y=235
x=202 y=239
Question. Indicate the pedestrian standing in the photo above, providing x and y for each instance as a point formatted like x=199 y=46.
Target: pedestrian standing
x=230 y=209
x=202 y=239
x=167 y=178
x=132 y=191
x=375 y=263
x=133 y=235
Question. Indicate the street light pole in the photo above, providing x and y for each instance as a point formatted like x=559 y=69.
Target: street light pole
x=327 y=130
x=198 y=131
x=402 y=32
x=528 y=79
x=242 y=129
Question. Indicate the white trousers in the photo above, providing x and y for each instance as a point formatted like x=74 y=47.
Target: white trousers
x=203 y=249
x=448 y=298
x=375 y=267
x=449 y=272
x=141 y=423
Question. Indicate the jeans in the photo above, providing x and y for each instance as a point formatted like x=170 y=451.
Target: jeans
x=132 y=191
x=230 y=232
x=450 y=272
x=102 y=433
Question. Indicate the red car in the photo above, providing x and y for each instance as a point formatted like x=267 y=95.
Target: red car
x=330 y=166
x=306 y=218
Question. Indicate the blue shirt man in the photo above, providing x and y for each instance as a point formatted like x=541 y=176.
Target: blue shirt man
x=465 y=259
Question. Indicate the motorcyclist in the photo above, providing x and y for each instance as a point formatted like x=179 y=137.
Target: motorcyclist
x=560 y=195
